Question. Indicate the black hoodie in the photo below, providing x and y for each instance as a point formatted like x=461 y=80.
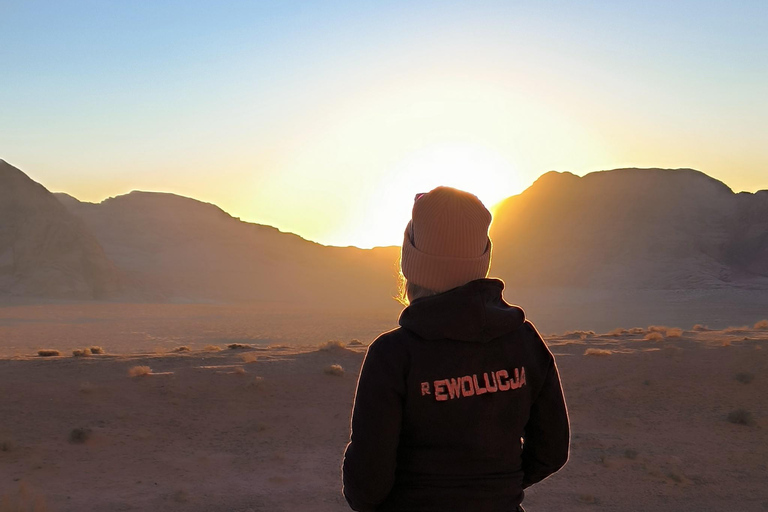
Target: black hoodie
x=443 y=405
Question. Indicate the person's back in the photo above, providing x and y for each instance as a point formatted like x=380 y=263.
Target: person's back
x=444 y=402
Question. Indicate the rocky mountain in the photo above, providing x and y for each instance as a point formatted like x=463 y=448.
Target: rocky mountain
x=632 y=229
x=627 y=229
x=187 y=250
x=45 y=251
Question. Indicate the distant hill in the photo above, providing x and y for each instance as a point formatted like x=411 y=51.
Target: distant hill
x=47 y=252
x=187 y=250
x=632 y=229
x=626 y=229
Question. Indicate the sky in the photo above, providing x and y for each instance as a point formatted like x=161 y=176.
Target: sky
x=326 y=118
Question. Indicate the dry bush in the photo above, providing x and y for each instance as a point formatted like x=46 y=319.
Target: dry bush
x=48 y=352
x=180 y=496
x=212 y=348
x=674 y=332
x=597 y=352
x=586 y=498
x=139 y=371
x=331 y=345
x=25 y=499
x=85 y=352
x=239 y=370
x=238 y=346
x=762 y=325
x=654 y=336
x=334 y=369
x=579 y=334
x=676 y=477
x=96 y=350
x=636 y=330
x=737 y=330
x=355 y=343
x=745 y=377
x=182 y=348
x=741 y=417
x=701 y=328
x=657 y=328
x=618 y=332
x=249 y=357
x=80 y=435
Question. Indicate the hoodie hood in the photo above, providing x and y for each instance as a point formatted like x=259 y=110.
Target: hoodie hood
x=474 y=312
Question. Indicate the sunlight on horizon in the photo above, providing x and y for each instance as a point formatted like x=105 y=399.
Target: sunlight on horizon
x=472 y=168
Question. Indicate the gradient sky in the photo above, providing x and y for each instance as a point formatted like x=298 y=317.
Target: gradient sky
x=325 y=118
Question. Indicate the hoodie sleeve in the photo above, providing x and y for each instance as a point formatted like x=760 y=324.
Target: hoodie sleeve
x=371 y=455
x=547 y=433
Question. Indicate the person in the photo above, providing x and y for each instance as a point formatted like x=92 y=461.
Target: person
x=460 y=408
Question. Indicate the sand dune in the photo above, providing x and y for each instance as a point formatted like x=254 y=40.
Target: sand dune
x=208 y=431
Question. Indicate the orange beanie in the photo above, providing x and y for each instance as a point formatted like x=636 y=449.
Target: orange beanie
x=446 y=242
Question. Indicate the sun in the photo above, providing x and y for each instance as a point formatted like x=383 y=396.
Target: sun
x=476 y=169
x=384 y=210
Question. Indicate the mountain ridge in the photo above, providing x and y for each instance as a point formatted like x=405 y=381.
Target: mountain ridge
x=622 y=229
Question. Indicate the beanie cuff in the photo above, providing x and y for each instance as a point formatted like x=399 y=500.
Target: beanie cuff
x=441 y=273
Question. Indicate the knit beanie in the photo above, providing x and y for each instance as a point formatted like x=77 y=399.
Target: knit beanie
x=446 y=242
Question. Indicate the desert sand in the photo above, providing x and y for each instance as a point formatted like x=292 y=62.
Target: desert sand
x=663 y=419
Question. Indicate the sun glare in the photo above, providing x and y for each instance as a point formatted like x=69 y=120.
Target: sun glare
x=481 y=171
x=474 y=168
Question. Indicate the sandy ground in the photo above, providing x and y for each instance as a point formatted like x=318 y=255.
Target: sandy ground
x=263 y=429
x=140 y=328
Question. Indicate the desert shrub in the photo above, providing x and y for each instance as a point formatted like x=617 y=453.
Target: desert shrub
x=654 y=336
x=180 y=496
x=81 y=352
x=249 y=357
x=579 y=334
x=80 y=435
x=597 y=352
x=701 y=328
x=736 y=330
x=636 y=330
x=48 y=352
x=745 y=377
x=334 y=369
x=674 y=332
x=96 y=350
x=586 y=498
x=212 y=348
x=741 y=417
x=23 y=499
x=139 y=371
x=675 y=476
x=238 y=346
x=239 y=370
x=657 y=328
x=355 y=343
x=182 y=348
x=762 y=324
x=331 y=345
x=618 y=332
